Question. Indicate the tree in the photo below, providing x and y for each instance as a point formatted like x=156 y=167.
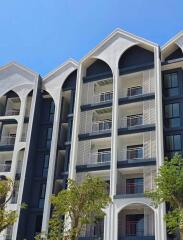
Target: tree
x=7 y=217
x=81 y=204
x=169 y=189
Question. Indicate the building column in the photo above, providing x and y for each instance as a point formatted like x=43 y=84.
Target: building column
x=75 y=128
x=114 y=153
x=26 y=153
x=159 y=137
x=52 y=160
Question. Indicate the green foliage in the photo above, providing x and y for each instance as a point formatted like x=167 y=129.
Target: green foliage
x=7 y=218
x=169 y=188
x=81 y=204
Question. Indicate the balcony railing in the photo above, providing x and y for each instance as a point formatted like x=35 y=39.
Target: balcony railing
x=101 y=126
x=134 y=188
x=138 y=153
x=6 y=167
x=137 y=238
x=134 y=91
x=100 y=157
x=90 y=238
x=103 y=97
x=7 y=140
x=12 y=112
x=132 y=121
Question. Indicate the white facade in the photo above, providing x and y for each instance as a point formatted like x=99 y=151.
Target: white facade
x=117 y=132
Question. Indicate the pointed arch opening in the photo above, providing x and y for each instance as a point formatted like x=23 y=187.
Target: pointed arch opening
x=136 y=221
x=135 y=59
x=70 y=81
x=10 y=104
x=97 y=70
x=175 y=54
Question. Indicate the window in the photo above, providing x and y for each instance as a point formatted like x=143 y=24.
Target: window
x=172 y=115
x=173 y=143
x=134 y=120
x=104 y=155
x=51 y=112
x=45 y=166
x=133 y=91
x=49 y=136
x=171 y=85
x=135 y=152
x=42 y=195
x=134 y=185
x=135 y=225
x=105 y=125
x=106 y=96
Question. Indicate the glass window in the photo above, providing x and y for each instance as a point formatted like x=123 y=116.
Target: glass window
x=134 y=120
x=135 y=152
x=133 y=91
x=134 y=185
x=135 y=225
x=171 y=85
x=49 y=137
x=172 y=115
x=51 y=112
x=173 y=143
x=42 y=195
x=104 y=155
x=45 y=166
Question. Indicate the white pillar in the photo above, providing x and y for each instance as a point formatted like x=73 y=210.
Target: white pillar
x=114 y=152
x=24 y=163
x=159 y=137
x=76 y=120
x=52 y=160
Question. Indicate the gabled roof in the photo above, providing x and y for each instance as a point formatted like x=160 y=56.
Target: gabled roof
x=19 y=67
x=56 y=72
x=173 y=40
x=121 y=33
x=170 y=46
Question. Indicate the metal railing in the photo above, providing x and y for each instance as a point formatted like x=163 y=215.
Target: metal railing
x=12 y=112
x=100 y=157
x=131 y=91
x=134 y=188
x=7 y=140
x=147 y=151
x=6 y=167
x=137 y=238
x=101 y=126
x=132 y=121
x=103 y=97
x=134 y=91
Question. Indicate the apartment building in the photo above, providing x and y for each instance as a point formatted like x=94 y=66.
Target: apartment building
x=115 y=114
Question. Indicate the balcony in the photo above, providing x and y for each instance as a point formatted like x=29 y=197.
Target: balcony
x=103 y=97
x=7 y=140
x=101 y=126
x=137 y=238
x=12 y=112
x=137 y=84
x=93 y=231
x=90 y=238
x=133 y=121
x=134 y=154
x=10 y=106
x=6 y=167
x=136 y=222
x=95 y=124
x=100 y=158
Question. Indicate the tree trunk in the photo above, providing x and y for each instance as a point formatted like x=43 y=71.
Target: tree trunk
x=181 y=234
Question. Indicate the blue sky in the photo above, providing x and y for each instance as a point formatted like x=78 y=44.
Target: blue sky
x=42 y=34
